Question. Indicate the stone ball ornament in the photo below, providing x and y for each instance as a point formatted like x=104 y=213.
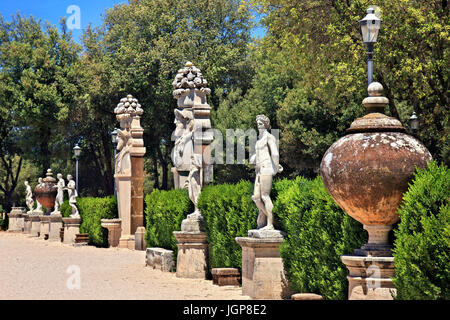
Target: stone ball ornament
x=127 y=108
x=187 y=79
x=367 y=171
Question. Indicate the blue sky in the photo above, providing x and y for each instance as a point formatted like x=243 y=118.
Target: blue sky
x=91 y=11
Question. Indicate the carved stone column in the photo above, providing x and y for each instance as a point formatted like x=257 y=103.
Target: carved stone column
x=129 y=170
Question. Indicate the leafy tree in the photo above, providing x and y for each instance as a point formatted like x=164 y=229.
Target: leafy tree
x=37 y=89
x=321 y=43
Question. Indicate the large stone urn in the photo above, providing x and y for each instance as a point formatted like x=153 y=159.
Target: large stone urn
x=46 y=191
x=366 y=172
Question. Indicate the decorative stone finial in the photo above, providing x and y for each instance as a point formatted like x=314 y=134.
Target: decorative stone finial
x=375 y=89
x=128 y=107
x=187 y=78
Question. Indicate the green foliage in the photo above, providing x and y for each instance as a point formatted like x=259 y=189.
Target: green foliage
x=66 y=209
x=229 y=212
x=318 y=233
x=92 y=210
x=422 y=245
x=163 y=213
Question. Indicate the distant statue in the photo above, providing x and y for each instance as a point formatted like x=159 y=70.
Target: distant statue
x=185 y=144
x=60 y=195
x=266 y=159
x=29 y=198
x=38 y=209
x=73 y=194
x=123 y=158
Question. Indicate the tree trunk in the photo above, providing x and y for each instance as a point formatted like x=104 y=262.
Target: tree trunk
x=108 y=177
x=165 y=169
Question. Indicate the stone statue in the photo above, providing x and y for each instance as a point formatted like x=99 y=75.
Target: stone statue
x=123 y=160
x=60 y=195
x=38 y=209
x=185 y=144
x=73 y=194
x=29 y=198
x=266 y=159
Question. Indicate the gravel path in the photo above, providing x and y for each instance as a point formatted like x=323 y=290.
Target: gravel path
x=32 y=269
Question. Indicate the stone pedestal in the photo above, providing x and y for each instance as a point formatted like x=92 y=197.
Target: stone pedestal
x=45 y=227
x=114 y=230
x=139 y=238
x=35 y=225
x=370 y=278
x=192 y=259
x=226 y=276
x=16 y=219
x=71 y=229
x=26 y=224
x=160 y=258
x=262 y=268
x=55 y=227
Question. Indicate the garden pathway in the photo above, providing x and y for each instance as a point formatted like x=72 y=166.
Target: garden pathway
x=36 y=269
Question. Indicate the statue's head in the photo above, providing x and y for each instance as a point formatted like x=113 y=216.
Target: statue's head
x=59 y=176
x=263 y=122
x=69 y=177
x=26 y=183
x=40 y=180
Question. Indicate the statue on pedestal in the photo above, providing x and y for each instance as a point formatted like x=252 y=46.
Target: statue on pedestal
x=266 y=159
x=73 y=194
x=38 y=209
x=29 y=198
x=60 y=195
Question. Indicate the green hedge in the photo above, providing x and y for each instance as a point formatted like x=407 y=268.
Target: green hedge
x=422 y=245
x=164 y=211
x=92 y=210
x=229 y=212
x=318 y=233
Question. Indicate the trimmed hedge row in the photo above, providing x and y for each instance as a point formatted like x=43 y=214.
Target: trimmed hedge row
x=229 y=212
x=92 y=210
x=422 y=244
x=164 y=211
x=318 y=233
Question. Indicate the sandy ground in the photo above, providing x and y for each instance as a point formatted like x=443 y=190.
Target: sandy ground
x=31 y=269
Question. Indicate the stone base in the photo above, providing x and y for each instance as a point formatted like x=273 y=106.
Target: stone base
x=262 y=268
x=192 y=258
x=71 y=229
x=194 y=223
x=35 y=225
x=306 y=296
x=264 y=234
x=16 y=219
x=45 y=227
x=26 y=224
x=55 y=228
x=139 y=239
x=127 y=242
x=370 y=278
x=226 y=276
x=160 y=258
x=114 y=231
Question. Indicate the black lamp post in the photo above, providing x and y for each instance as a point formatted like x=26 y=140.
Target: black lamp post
x=114 y=141
x=77 y=152
x=370 y=26
x=414 y=123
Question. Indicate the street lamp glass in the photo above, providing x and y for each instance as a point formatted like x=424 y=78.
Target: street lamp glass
x=370 y=26
x=414 y=122
x=114 y=136
x=77 y=150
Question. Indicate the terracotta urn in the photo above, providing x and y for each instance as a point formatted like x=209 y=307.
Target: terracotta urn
x=46 y=191
x=367 y=171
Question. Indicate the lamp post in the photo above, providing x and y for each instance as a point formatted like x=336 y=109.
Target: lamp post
x=76 y=151
x=370 y=26
x=414 y=123
x=114 y=141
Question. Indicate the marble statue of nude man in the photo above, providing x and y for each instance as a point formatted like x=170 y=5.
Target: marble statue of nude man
x=266 y=159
